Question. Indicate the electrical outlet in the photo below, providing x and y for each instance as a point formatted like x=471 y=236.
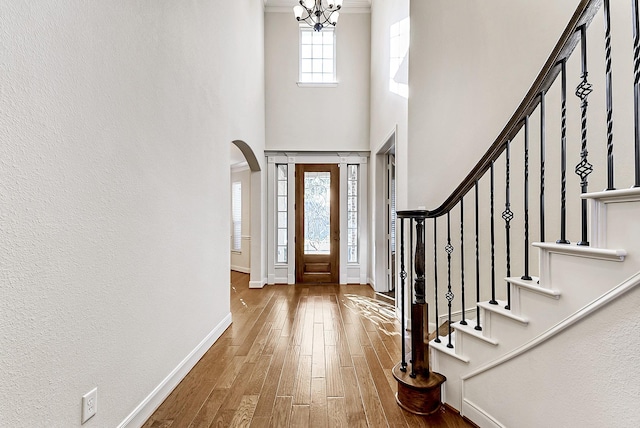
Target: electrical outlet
x=89 y=404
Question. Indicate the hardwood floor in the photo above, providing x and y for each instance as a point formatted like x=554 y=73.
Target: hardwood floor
x=298 y=356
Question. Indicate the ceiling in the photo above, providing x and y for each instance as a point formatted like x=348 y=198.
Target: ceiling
x=288 y=4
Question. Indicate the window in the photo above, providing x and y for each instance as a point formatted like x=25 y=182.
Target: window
x=281 y=213
x=399 y=57
x=352 y=213
x=317 y=55
x=236 y=215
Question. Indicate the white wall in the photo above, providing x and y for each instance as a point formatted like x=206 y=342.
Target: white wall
x=388 y=116
x=334 y=118
x=471 y=65
x=241 y=260
x=115 y=128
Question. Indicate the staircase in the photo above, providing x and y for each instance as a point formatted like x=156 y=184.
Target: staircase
x=561 y=349
x=575 y=284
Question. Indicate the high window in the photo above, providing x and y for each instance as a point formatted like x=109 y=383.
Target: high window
x=317 y=55
x=399 y=34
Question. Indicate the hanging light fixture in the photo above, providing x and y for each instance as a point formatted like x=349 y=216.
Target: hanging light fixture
x=318 y=13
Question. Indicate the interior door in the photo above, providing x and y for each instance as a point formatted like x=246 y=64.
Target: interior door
x=317 y=223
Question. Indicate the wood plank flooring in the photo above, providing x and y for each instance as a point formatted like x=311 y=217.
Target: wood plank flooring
x=298 y=356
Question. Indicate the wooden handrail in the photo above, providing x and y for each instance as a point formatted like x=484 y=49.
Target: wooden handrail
x=568 y=41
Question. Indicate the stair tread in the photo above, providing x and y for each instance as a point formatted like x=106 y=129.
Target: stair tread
x=470 y=330
x=499 y=309
x=442 y=347
x=632 y=194
x=534 y=286
x=583 y=251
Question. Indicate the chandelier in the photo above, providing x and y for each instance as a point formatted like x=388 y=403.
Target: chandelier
x=318 y=13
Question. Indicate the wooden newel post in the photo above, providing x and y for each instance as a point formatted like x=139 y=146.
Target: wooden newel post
x=419 y=391
x=419 y=310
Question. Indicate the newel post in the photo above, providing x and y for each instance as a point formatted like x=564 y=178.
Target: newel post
x=419 y=389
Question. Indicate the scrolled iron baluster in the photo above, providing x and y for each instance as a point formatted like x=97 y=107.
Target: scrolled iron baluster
x=526 y=200
x=403 y=278
x=464 y=321
x=478 y=326
x=636 y=88
x=507 y=216
x=542 y=161
x=493 y=300
x=608 y=94
x=449 y=249
x=563 y=155
x=584 y=168
x=435 y=276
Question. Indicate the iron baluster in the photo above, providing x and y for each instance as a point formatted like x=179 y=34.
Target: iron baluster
x=449 y=249
x=584 y=168
x=563 y=156
x=435 y=276
x=403 y=277
x=477 y=327
x=526 y=200
x=636 y=87
x=507 y=215
x=493 y=242
x=542 y=162
x=464 y=321
x=608 y=94
x=412 y=293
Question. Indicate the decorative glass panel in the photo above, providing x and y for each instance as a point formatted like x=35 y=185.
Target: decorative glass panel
x=281 y=214
x=317 y=204
x=352 y=213
x=282 y=254
x=282 y=220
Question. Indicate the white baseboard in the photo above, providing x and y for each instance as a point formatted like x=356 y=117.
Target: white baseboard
x=478 y=415
x=242 y=269
x=257 y=284
x=149 y=405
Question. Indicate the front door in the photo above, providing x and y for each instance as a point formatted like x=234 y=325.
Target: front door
x=317 y=223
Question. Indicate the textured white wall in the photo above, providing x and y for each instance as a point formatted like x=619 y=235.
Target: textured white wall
x=317 y=118
x=114 y=165
x=471 y=65
x=388 y=114
x=587 y=376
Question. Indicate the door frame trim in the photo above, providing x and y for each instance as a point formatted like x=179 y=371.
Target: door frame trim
x=284 y=273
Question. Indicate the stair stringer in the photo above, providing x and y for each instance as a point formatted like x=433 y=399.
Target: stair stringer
x=564 y=271
x=542 y=381
x=532 y=312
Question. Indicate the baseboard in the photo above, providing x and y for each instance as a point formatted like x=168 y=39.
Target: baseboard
x=241 y=269
x=257 y=284
x=149 y=405
x=478 y=416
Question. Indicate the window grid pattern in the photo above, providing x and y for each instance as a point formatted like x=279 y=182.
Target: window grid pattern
x=352 y=213
x=281 y=213
x=317 y=56
x=236 y=214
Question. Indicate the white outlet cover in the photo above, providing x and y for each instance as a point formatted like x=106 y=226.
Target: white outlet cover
x=89 y=404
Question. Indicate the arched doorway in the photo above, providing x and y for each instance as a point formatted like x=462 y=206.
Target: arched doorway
x=256 y=264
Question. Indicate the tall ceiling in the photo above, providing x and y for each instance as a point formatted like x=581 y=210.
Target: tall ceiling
x=347 y=4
